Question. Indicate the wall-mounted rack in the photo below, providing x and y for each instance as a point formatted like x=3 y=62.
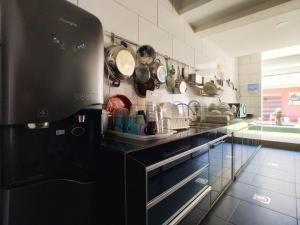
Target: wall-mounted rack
x=113 y=36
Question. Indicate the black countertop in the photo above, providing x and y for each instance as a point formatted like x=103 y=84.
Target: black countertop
x=126 y=146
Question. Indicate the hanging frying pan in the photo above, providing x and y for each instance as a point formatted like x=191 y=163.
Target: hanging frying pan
x=142 y=74
x=121 y=59
x=158 y=71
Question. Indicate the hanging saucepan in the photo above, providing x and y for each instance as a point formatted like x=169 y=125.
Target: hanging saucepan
x=181 y=85
x=210 y=88
x=146 y=54
x=113 y=78
x=141 y=89
x=142 y=74
x=121 y=59
x=158 y=71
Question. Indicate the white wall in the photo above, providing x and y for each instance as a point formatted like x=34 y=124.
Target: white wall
x=249 y=72
x=156 y=22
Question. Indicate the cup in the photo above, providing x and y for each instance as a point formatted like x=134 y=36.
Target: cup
x=133 y=110
x=151 y=128
x=142 y=112
x=119 y=123
x=140 y=119
x=129 y=124
x=142 y=129
x=134 y=129
x=105 y=115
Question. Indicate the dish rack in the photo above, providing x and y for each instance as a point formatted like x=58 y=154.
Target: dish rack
x=176 y=123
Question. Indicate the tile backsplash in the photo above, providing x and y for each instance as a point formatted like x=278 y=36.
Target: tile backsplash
x=157 y=23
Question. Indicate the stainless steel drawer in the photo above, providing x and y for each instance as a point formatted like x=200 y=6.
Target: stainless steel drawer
x=162 y=179
x=166 y=210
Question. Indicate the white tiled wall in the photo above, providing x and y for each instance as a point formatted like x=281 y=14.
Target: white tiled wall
x=144 y=8
x=156 y=22
x=249 y=72
x=152 y=35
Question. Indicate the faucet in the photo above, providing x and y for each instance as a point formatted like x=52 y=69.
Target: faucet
x=189 y=108
x=197 y=112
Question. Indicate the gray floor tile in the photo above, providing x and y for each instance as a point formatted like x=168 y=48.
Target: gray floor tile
x=280 y=203
x=298 y=208
x=226 y=207
x=251 y=214
x=258 y=159
x=298 y=190
x=298 y=178
x=275 y=185
x=298 y=222
x=246 y=177
x=253 y=168
x=277 y=174
x=213 y=220
x=297 y=155
x=275 y=164
x=297 y=168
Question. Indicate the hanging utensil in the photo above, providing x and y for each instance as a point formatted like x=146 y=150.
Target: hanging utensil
x=146 y=54
x=141 y=89
x=142 y=74
x=210 y=88
x=113 y=80
x=121 y=60
x=192 y=79
x=158 y=71
x=181 y=85
x=170 y=80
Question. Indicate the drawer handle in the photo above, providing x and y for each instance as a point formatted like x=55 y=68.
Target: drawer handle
x=176 y=157
x=177 y=186
x=190 y=207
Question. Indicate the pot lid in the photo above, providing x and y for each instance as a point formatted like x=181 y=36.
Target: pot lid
x=161 y=74
x=182 y=87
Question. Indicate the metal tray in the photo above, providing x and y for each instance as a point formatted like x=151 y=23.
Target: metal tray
x=141 y=137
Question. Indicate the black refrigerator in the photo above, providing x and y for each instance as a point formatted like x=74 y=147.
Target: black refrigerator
x=50 y=90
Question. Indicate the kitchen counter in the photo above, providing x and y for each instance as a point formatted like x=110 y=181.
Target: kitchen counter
x=127 y=145
x=141 y=180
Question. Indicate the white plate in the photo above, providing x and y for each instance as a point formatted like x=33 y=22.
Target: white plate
x=169 y=110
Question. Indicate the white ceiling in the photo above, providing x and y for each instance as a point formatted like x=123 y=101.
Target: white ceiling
x=213 y=10
x=260 y=36
x=242 y=27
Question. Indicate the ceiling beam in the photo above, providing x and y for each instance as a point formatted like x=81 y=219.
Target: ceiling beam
x=183 y=6
x=284 y=61
x=253 y=14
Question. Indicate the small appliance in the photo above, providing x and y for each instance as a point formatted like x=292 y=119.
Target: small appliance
x=241 y=109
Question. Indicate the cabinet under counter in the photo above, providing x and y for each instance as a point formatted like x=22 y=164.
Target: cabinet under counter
x=167 y=183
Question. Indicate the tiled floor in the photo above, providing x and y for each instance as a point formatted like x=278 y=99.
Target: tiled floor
x=266 y=193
